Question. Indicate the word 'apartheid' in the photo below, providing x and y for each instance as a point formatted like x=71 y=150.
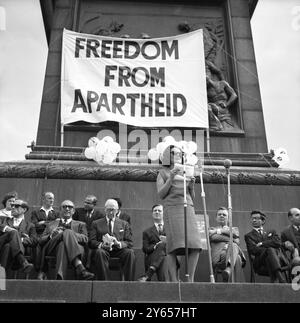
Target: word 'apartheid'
x=128 y=49
x=151 y=104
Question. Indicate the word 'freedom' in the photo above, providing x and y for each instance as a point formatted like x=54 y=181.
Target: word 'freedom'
x=127 y=49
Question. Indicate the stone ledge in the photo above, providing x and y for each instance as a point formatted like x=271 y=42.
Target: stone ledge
x=56 y=169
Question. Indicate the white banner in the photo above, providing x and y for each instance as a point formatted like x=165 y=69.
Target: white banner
x=142 y=82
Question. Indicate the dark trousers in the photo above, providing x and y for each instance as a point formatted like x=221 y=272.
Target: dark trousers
x=65 y=248
x=127 y=259
x=10 y=247
x=268 y=262
x=158 y=260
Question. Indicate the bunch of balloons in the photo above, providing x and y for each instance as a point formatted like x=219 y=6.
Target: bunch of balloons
x=280 y=156
x=188 y=147
x=103 y=151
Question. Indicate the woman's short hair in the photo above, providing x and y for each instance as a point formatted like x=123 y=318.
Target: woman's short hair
x=8 y=196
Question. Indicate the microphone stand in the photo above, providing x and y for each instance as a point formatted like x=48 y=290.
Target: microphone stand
x=227 y=164
x=206 y=222
x=185 y=220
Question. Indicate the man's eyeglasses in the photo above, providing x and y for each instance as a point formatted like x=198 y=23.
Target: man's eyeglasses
x=15 y=205
x=67 y=206
x=111 y=210
x=88 y=202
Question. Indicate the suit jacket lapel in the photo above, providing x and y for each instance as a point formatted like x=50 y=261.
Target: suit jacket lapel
x=10 y=222
x=73 y=226
x=22 y=226
x=116 y=228
x=155 y=232
x=256 y=235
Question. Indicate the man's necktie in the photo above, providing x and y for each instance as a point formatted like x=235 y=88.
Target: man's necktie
x=160 y=229
x=66 y=225
x=110 y=226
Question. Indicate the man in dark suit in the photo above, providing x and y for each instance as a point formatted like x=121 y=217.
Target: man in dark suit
x=290 y=236
x=266 y=249
x=65 y=239
x=40 y=217
x=154 y=247
x=15 y=235
x=111 y=237
x=88 y=214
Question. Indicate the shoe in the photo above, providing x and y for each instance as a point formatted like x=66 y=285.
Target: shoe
x=86 y=275
x=226 y=274
x=144 y=279
x=280 y=277
x=26 y=267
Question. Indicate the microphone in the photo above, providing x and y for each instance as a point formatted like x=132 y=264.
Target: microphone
x=200 y=165
x=227 y=164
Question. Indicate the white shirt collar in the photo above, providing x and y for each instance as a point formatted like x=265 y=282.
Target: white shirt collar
x=17 y=221
x=113 y=219
x=66 y=221
x=47 y=211
x=260 y=228
x=156 y=225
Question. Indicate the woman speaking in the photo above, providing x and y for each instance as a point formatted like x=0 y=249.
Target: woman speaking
x=170 y=188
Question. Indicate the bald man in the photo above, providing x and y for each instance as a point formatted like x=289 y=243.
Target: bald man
x=290 y=236
x=66 y=239
x=111 y=237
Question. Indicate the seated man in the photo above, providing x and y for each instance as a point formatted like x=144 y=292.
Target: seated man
x=111 y=237
x=154 y=247
x=220 y=250
x=266 y=249
x=40 y=218
x=45 y=213
x=16 y=234
x=290 y=236
x=65 y=239
x=88 y=214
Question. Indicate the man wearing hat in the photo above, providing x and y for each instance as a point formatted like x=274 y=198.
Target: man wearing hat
x=265 y=247
x=15 y=235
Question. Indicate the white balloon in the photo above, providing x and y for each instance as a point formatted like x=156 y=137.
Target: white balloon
x=90 y=152
x=108 y=139
x=114 y=147
x=169 y=139
x=98 y=158
x=93 y=142
x=153 y=154
x=191 y=147
x=183 y=145
x=102 y=147
x=108 y=158
x=191 y=159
